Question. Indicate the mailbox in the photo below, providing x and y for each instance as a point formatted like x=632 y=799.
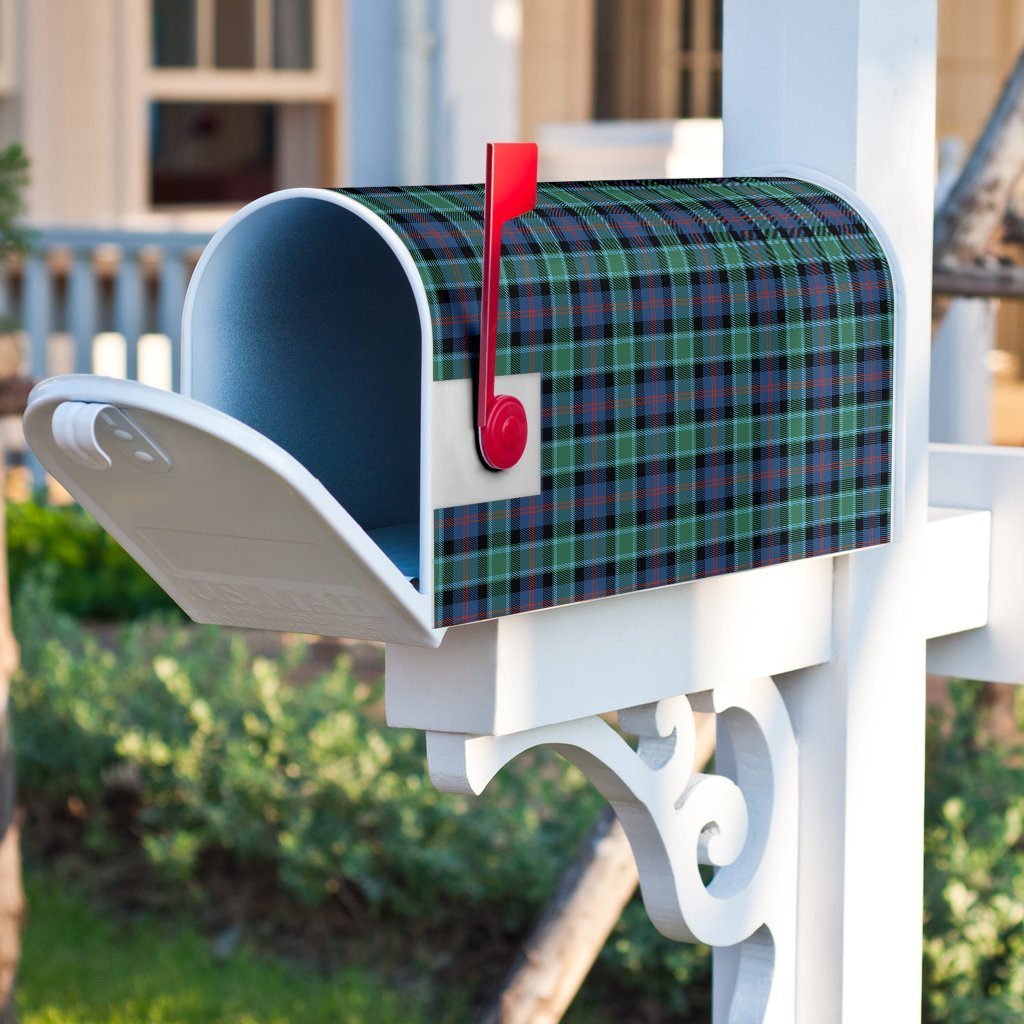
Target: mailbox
x=705 y=368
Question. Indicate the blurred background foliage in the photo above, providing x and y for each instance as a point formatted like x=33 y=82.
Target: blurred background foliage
x=267 y=794
x=167 y=766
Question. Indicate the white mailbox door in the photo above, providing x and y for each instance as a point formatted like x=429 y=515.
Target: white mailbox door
x=236 y=530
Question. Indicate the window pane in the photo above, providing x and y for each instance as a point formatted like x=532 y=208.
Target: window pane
x=234 y=40
x=211 y=152
x=606 y=61
x=174 y=33
x=686 y=93
x=686 y=26
x=293 y=33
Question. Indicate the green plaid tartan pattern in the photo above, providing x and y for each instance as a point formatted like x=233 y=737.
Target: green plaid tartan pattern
x=716 y=360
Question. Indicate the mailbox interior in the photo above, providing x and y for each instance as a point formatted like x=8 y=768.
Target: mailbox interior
x=302 y=321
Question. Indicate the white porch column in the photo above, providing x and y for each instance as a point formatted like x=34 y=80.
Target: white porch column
x=479 y=100
x=374 y=51
x=961 y=381
x=847 y=87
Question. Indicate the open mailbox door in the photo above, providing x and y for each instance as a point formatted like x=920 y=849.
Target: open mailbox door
x=236 y=530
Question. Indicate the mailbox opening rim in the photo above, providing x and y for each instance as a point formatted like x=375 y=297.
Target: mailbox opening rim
x=192 y=326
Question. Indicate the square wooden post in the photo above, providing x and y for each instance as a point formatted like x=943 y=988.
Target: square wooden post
x=847 y=87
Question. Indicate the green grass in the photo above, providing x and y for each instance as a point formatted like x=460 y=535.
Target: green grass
x=78 y=968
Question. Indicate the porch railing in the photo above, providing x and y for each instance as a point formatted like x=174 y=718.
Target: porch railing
x=102 y=301
x=98 y=301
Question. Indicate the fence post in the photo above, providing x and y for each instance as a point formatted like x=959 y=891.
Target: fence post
x=128 y=308
x=170 y=300
x=36 y=313
x=82 y=308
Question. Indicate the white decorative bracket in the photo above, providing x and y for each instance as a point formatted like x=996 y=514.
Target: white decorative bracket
x=743 y=822
x=496 y=689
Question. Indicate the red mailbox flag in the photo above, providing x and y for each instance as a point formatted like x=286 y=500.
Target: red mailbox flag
x=511 y=191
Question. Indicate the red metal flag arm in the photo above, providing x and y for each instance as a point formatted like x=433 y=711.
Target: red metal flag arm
x=511 y=190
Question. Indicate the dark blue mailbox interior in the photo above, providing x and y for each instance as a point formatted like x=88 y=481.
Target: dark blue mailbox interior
x=304 y=326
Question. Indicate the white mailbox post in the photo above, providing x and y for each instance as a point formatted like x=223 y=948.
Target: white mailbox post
x=520 y=605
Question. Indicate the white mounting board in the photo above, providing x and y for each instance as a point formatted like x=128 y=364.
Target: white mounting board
x=229 y=524
x=956 y=583
x=976 y=477
x=523 y=671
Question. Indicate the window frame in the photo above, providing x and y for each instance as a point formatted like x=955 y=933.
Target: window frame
x=649 y=60
x=262 y=83
x=8 y=49
x=144 y=85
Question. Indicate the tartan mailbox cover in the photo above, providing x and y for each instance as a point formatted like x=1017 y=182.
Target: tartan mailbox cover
x=707 y=368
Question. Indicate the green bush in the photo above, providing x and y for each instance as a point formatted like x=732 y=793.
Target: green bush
x=974 y=869
x=91 y=574
x=226 y=756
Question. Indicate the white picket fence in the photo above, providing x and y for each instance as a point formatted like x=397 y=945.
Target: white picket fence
x=102 y=301
x=99 y=301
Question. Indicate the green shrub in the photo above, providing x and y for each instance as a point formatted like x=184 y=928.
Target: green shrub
x=227 y=756
x=90 y=573
x=974 y=869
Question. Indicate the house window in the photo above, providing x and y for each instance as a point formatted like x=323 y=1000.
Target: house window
x=234 y=34
x=242 y=96
x=700 y=58
x=658 y=58
x=293 y=34
x=212 y=152
x=174 y=33
x=256 y=35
